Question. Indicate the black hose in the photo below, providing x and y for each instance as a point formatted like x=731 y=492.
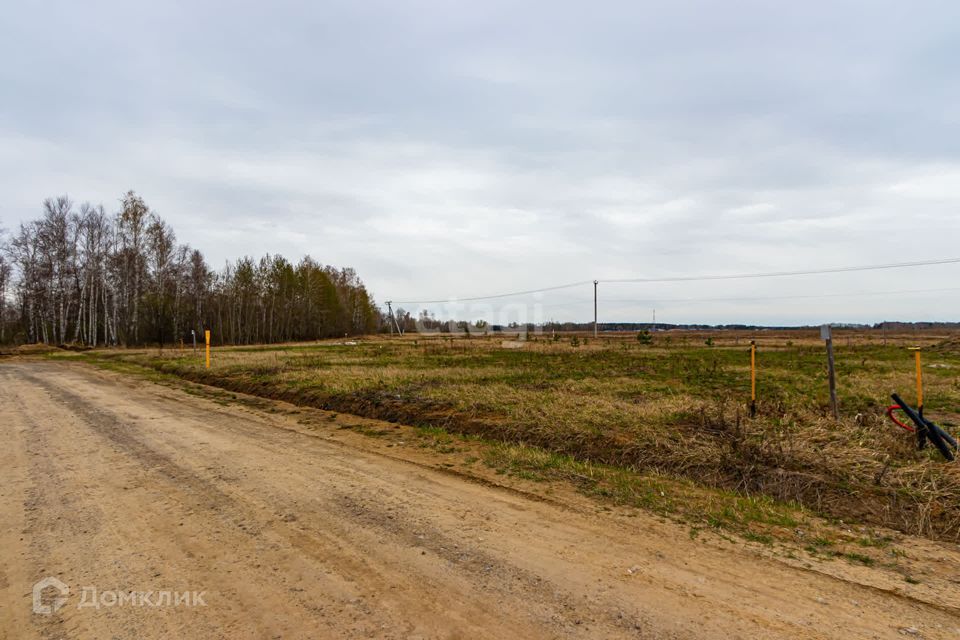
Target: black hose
x=930 y=430
x=943 y=434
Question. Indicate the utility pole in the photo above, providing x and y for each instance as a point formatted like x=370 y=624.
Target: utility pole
x=595 y=308
x=654 y=319
x=393 y=317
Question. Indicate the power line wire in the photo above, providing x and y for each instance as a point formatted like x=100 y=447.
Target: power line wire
x=792 y=297
x=740 y=276
x=777 y=274
x=499 y=295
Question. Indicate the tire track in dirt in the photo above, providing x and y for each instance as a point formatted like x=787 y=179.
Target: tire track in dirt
x=201 y=494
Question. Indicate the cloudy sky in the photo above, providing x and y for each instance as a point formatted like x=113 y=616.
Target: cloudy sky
x=463 y=148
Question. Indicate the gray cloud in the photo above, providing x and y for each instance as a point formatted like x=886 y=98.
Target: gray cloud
x=447 y=148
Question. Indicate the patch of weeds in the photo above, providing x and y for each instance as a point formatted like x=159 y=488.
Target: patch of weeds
x=738 y=511
x=437 y=434
x=677 y=498
x=373 y=431
x=758 y=537
x=446 y=448
x=867 y=561
x=438 y=439
x=526 y=474
x=870 y=541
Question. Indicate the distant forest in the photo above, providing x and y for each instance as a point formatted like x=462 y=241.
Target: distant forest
x=78 y=275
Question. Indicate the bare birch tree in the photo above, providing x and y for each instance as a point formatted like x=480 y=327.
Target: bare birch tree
x=82 y=276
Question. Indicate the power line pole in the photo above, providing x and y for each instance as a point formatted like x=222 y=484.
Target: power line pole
x=393 y=317
x=595 y=308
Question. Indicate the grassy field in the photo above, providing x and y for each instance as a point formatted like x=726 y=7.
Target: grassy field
x=674 y=410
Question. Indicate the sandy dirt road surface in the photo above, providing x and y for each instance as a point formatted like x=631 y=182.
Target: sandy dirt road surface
x=133 y=487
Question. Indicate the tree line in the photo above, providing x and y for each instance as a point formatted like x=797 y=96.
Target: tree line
x=78 y=275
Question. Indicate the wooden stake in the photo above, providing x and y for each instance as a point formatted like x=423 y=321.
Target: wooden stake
x=825 y=333
x=753 y=378
x=595 y=308
x=206 y=335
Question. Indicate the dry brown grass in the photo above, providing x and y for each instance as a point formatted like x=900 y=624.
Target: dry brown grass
x=677 y=408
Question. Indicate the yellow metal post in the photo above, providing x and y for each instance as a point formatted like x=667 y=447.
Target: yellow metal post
x=753 y=377
x=207 y=336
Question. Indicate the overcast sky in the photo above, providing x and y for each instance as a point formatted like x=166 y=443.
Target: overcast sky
x=467 y=148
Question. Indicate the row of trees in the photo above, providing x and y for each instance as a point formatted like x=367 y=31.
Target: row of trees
x=80 y=275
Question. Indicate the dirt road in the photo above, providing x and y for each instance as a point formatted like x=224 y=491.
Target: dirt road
x=133 y=488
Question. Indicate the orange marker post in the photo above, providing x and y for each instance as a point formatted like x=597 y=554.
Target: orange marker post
x=207 y=336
